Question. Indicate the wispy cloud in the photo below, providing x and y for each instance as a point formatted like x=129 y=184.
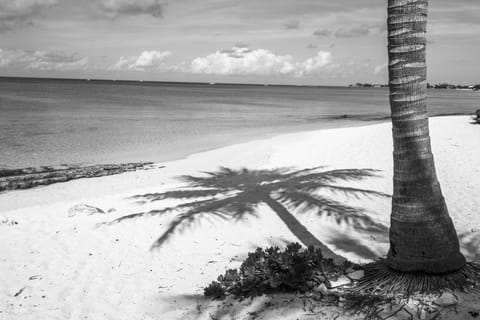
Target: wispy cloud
x=42 y=60
x=115 y=8
x=351 y=31
x=241 y=45
x=18 y=13
x=380 y=68
x=245 y=61
x=295 y=24
x=147 y=60
x=322 y=32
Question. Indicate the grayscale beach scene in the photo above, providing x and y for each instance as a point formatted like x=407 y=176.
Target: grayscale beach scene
x=231 y=160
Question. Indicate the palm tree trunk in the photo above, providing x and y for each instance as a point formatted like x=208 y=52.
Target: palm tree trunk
x=422 y=235
x=299 y=230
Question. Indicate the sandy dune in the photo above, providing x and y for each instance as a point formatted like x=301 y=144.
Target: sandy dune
x=53 y=266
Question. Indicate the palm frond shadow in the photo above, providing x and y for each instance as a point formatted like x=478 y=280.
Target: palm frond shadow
x=234 y=194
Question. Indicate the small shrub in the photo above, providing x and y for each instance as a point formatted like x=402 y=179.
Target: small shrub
x=272 y=270
x=476 y=119
x=214 y=291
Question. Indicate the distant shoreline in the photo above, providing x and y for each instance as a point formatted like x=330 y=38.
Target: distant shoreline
x=220 y=84
x=155 y=82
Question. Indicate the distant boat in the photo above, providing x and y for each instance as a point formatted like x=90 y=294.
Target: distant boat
x=212 y=83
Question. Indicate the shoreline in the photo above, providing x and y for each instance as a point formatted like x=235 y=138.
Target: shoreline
x=211 y=141
x=337 y=122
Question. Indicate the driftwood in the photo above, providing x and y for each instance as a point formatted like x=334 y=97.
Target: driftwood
x=31 y=177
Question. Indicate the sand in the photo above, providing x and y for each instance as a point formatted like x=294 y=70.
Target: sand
x=57 y=265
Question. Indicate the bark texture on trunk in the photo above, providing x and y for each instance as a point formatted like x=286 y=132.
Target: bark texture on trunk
x=299 y=230
x=422 y=235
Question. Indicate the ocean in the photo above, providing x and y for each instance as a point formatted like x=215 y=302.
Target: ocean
x=54 y=121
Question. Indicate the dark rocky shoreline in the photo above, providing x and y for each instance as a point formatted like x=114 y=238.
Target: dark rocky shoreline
x=26 y=178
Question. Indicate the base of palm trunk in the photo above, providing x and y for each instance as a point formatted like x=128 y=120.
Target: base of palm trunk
x=445 y=264
x=381 y=279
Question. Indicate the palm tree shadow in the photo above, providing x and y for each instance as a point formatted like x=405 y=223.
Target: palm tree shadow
x=234 y=194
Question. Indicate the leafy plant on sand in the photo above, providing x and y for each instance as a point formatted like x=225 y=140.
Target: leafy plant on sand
x=233 y=194
x=476 y=119
x=273 y=270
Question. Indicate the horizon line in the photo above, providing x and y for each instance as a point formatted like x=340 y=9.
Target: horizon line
x=172 y=82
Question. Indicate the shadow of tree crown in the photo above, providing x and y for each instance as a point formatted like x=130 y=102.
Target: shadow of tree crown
x=233 y=194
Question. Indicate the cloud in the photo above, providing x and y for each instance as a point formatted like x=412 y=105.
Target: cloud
x=115 y=8
x=241 y=45
x=354 y=31
x=146 y=60
x=322 y=32
x=17 y=13
x=292 y=25
x=41 y=60
x=380 y=68
x=245 y=61
x=5 y=58
x=312 y=65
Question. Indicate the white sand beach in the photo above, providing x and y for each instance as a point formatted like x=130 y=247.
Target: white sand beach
x=56 y=266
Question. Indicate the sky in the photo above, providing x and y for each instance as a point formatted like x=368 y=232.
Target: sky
x=302 y=42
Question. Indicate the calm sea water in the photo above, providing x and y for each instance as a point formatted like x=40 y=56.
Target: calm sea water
x=48 y=122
